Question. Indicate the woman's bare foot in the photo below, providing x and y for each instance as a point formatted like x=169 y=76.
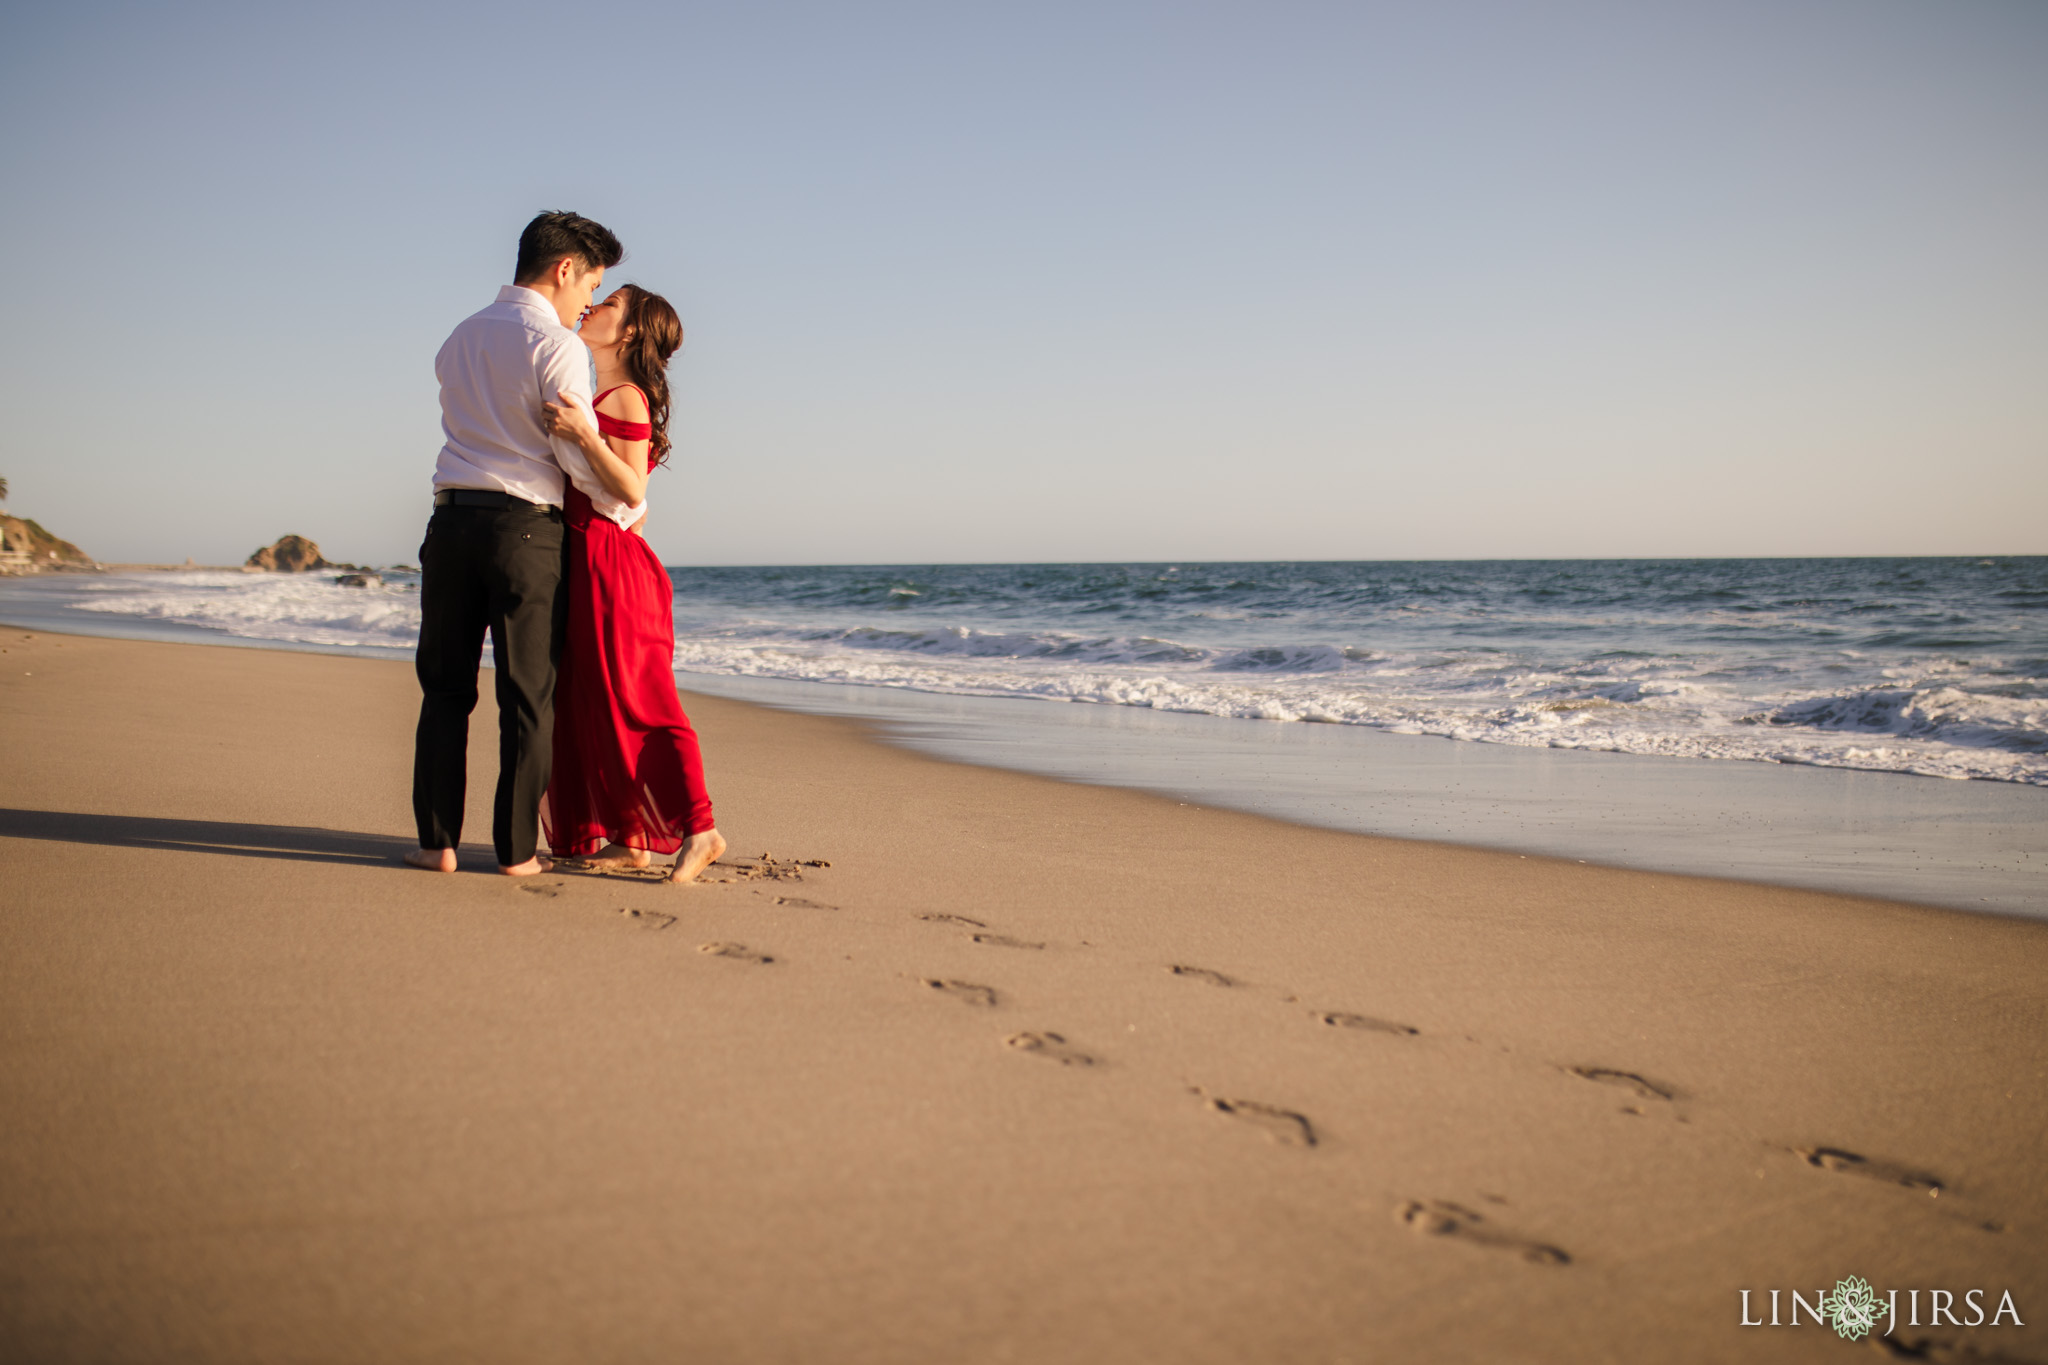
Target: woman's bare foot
x=618 y=855
x=532 y=867
x=698 y=852
x=432 y=859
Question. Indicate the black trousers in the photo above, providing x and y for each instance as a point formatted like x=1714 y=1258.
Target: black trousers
x=501 y=569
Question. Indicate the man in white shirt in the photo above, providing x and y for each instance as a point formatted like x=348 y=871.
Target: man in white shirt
x=493 y=556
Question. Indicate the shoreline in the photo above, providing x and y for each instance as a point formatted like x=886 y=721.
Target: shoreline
x=1032 y=1071
x=1978 y=846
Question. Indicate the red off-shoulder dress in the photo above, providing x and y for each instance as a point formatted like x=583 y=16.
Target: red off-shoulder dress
x=627 y=768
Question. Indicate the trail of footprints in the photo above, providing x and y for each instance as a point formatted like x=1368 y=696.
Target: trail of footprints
x=1431 y=1218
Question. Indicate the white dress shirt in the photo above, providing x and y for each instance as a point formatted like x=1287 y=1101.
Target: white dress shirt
x=496 y=369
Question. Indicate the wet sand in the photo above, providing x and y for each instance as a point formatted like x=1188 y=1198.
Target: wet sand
x=1030 y=1072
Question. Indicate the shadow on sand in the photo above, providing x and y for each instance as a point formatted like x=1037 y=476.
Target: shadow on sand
x=296 y=843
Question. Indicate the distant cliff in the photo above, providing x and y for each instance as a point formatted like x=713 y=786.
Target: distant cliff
x=27 y=548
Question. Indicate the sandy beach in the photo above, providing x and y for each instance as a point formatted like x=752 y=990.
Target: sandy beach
x=949 y=1064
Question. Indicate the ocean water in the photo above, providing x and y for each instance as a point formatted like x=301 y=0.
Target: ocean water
x=1937 y=667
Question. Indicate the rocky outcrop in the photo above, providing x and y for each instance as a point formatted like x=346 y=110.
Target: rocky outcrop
x=27 y=548
x=292 y=554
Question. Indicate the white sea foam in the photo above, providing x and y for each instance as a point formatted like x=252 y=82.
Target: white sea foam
x=308 y=609
x=1934 y=731
x=1658 y=707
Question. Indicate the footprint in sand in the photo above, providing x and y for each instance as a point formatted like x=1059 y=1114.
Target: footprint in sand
x=648 y=919
x=800 y=903
x=1441 y=1218
x=1885 y=1172
x=1005 y=941
x=1626 y=1080
x=735 y=950
x=1051 y=1045
x=966 y=992
x=1202 y=974
x=1365 y=1022
x=767 y=866
x=954 y=919
x=546 y=889
x=1283 y=1126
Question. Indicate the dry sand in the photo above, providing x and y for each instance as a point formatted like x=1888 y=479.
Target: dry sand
x=1032 y=1072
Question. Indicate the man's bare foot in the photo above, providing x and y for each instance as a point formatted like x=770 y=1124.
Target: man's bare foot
x=698 y=852
x=432 y=859
x=532 y=867
x=618 y=855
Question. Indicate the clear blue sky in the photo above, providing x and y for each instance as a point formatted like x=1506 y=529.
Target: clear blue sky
x=1061 y=281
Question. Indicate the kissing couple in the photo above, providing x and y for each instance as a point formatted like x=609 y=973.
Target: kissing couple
x=538 y=536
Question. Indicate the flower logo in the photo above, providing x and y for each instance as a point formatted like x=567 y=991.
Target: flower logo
x=1853 y=1308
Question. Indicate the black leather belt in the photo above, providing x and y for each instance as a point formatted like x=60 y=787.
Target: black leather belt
x=482 y=497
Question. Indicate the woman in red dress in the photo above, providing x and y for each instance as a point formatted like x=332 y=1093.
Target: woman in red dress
x=628 y=781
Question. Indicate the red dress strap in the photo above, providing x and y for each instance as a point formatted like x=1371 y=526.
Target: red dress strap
x=618 y=426
x=614 y=389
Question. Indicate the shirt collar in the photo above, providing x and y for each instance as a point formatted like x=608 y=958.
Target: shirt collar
x=527 y=298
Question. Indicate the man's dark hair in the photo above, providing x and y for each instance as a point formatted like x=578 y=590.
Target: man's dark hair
x=551 y=236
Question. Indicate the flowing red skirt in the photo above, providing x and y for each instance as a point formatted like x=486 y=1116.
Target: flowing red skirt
x=626 y=764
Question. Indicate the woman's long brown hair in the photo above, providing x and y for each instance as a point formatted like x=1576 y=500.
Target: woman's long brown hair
x=653 y=333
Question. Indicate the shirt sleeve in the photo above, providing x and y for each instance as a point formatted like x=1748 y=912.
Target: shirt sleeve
x=566 y=370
